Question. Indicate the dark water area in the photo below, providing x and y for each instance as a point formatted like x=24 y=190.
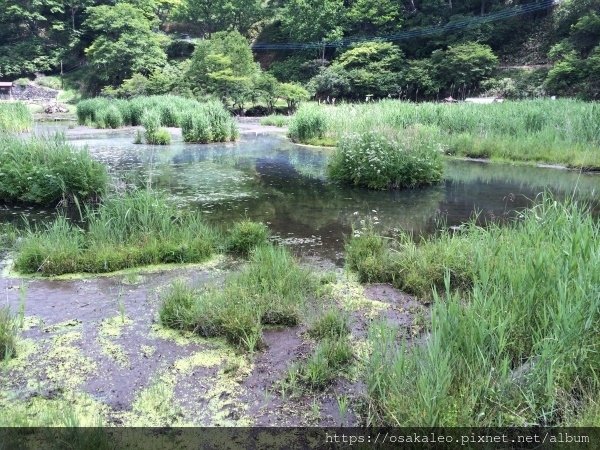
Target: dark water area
x=265 y=177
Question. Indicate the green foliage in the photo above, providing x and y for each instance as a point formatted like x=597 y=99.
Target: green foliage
x=271 y=290
x=46 y=170
x=564 y=131
x=216 y=16
x=293 y=94
x=138 y=229
x=245 y=236
x=154 y=134
x=308 y=123
x=276 y=121
x=533 y=307
x=209 y=123
x=124 y=43
x=388 y=160
x=331 y=324
x=8 y=334
x=15 y=117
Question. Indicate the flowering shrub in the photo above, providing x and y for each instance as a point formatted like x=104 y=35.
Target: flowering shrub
x=388 y=160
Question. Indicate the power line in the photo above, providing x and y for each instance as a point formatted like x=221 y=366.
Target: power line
x=416 y=32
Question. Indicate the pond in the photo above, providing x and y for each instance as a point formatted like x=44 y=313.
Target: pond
x=267 y=178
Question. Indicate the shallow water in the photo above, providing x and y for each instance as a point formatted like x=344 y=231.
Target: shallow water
x=267 y=178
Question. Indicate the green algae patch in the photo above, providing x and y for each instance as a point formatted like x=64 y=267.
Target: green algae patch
x=111 y=329
x=351 y=296
x=76 y=409
x=181 y=338
x=25 y=348
x=147 y=351
x=212 y=263
x=156 y=405
x=62 y=327
x=67 y=365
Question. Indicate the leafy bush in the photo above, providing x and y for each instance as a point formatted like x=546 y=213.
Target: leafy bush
x=309 y=123
x=15 y=117
x=45 y=170
x=378 y=160
x=138 y=229
x=247 y=235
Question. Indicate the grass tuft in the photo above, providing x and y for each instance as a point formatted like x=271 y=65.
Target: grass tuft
x=15 y=117
x=244 y=236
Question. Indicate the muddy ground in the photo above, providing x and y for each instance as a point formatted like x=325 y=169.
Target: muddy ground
x=95 y=346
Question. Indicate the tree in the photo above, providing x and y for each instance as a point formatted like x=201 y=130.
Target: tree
x=293 y=94
x=313 y=20
x=332 y=81
x=125 y=43
x=224 y=66
x=221 y=15
x=375 y=16
x=463 y=67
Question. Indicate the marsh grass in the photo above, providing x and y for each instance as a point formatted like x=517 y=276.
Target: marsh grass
x=200 y=122
x=46 y=170
x=271 y=290
x=8 y=333
x=561 y=131
x=137 y=229
x=15 y=117
x=276 y=121
x=519 y=347
x=246 y=235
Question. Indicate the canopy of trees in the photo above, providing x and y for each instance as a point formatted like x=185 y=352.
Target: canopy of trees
x=202 y=47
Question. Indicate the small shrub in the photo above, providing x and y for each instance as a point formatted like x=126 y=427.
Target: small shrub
x=178 y=306
x=8 y=333
x=330 y=357
x=246 y=235
x=379 y=161
x=310 y=122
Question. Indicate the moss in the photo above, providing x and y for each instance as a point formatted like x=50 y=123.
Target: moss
x=351 y=296
x=66 y=365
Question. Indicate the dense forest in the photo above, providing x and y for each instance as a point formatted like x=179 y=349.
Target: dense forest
x=257 y=51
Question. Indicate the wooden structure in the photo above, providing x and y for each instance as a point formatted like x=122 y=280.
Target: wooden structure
x=6 y=88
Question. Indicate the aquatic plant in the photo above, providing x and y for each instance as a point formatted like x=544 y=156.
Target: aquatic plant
x=388 y=160
x=518 y=347
x=200 y=122
x=8 y=333
x=15 y=117
x=309 y=124
x=560 y=131
x=46 y=170
x=270 y=290
x=246 y=235
x=137 y=229
x=331 y=324
x=276 y=121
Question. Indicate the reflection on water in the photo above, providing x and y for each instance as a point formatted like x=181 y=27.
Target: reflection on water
x=267 y=178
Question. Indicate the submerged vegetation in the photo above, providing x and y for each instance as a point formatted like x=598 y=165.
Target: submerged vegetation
x=200 y=122
x=15 y=117
x=46 y=170
x=138 y=229
x=514 y=328
x=271 y=290
x=561 y=131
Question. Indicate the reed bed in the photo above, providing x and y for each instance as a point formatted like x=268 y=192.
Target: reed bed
x=15 y=117
x=137 y=229
x=561 y=131
x=44 y=171
x=200 y=122
x=514 y=327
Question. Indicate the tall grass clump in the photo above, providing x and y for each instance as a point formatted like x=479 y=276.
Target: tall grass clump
x=8 y=333
x=276 y=121
x=309 y=124
x=153 y=133
x=388 y=160
x=562 y=131
x=246 y=235
x=46 y=170
x=15 y=117
x=137 y=229
x=200 y=122
x=518 y=348
x=208 y=123
x=271 y=290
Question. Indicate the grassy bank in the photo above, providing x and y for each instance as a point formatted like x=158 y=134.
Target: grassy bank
x=139 y=229
x=563 y=131
x=15 y=117
x=200 y=122
x=43 y=171
x=271 y=290
x=514 y=339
